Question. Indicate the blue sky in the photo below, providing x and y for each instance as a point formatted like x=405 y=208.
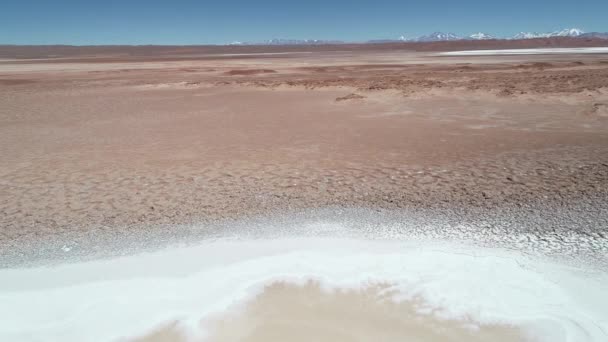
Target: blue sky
x=217 y=22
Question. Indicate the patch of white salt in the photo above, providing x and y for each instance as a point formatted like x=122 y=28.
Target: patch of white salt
x=129 y=296
x=526 y=51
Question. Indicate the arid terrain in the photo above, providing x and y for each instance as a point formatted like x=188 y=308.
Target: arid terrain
x=116 y=141
x=331 y=192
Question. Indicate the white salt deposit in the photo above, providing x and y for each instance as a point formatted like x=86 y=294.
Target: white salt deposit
x=125 y=297
x=526 y=51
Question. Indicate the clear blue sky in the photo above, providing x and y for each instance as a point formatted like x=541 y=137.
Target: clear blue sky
x=217 y=22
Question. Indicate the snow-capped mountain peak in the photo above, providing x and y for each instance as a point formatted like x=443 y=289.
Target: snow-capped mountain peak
x=438 y=36
x=481 y=36
x=529 y=35
x=572 y=32
x=569 y=32
x=281 y=41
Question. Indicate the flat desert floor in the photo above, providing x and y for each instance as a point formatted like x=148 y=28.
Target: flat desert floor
x=101 y=145
x=104 y=154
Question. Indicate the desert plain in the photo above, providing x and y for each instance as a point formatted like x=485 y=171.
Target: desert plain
x=330 y=192
x=109 y=142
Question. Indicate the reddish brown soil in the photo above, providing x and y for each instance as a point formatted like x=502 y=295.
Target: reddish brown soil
x=126 y=145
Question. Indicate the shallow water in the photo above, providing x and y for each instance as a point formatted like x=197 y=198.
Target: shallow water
x=307 y=288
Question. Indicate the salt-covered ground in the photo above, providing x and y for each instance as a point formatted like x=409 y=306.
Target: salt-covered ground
x=130 y=296
x=513 y=283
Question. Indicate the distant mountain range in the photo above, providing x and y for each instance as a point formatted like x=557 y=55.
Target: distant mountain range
x=434 y=37
x=277 y=41
x=573 y=32
x=602 y=35
x=481 y=36
x=443 y=37
x=440 y=37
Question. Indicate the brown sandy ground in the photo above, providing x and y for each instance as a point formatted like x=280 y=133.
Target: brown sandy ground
x=308 y=312
x=86 y=145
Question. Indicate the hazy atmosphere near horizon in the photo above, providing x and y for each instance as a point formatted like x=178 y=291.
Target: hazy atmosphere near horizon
x=218 y=22
x=261 y=171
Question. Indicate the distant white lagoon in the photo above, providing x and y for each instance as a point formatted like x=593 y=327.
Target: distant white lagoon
x=526 y=51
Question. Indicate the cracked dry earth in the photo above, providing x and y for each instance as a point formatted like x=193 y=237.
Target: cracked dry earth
x=95 y=147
